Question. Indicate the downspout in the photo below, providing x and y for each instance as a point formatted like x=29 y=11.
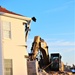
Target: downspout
x=1 y=51
x=28 y=27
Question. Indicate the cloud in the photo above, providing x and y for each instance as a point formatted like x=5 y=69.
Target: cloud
x=63 y=34
x=56 y=9
x=56 y=45
x=29 y=45
x=61 y=49
x=60 y=8
x=61 y=46
x=61 y=43
x=69 y=2
x=69 y=50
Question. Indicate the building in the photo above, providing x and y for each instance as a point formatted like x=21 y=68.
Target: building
x=13 y=35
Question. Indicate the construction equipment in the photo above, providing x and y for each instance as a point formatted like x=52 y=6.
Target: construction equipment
x=52 y=62
x=40 y=44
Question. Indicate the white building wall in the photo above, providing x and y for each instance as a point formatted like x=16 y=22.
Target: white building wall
x=13 y=48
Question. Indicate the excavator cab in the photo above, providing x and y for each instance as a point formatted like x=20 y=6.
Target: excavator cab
x=56 y=62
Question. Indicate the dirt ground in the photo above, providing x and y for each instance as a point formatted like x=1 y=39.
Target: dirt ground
x=65 y=73
x=55 y=73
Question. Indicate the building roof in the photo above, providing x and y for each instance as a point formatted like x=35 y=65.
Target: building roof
x=7 y=11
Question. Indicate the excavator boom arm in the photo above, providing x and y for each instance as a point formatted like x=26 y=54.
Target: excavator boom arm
x=40 y=44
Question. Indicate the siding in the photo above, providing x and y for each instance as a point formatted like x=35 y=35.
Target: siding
x=13 y=49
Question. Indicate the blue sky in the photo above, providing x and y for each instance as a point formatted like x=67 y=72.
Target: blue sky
x=55 y=23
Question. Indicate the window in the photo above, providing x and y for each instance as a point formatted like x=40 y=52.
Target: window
x=7 y=66
x=42 y=44
x=6 y=29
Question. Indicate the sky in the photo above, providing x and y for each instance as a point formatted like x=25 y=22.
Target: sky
x=55 y=24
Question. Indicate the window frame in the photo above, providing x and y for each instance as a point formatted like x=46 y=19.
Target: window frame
x=8 y=69
x=6 y=35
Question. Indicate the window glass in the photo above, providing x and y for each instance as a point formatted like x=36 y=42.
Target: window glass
x=6 y=29
x=7 y=66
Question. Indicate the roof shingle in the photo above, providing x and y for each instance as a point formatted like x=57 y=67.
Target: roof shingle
x=7 y=11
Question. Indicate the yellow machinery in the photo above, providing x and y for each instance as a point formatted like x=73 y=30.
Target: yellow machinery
x=40 y=44
x=54 y=60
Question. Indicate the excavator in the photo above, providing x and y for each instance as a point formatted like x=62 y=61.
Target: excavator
x=40 y=44
x=50 y=62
